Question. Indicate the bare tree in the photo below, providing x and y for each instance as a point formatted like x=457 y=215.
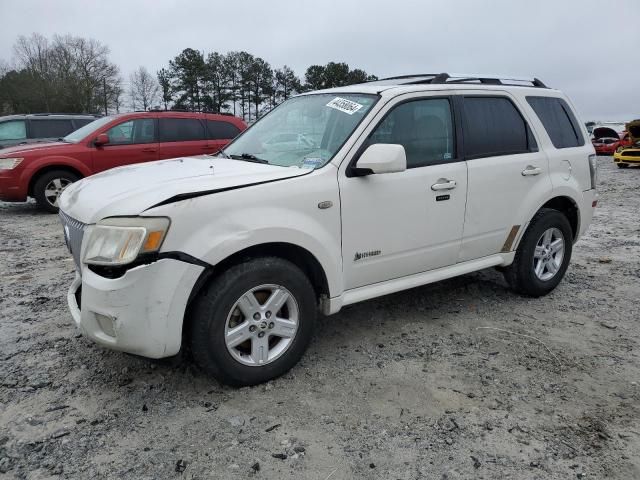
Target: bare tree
x=70 y=73
x=143 y=89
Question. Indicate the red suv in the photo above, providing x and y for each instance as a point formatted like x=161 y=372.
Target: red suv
x=43 y=171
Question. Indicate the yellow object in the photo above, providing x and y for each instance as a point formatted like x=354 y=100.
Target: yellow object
x=625 y=155
x=154 y=239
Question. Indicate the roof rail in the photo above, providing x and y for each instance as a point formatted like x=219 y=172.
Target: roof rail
x=486 y=79
x=44 y=114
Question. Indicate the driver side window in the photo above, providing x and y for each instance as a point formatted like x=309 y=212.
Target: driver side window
x=423 y=127
x=142 y=130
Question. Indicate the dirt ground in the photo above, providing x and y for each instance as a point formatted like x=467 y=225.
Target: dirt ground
x=460 y=379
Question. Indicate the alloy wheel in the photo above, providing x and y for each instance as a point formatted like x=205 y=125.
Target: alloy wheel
x=261 y=325
x=548 y=254
x=54 y=189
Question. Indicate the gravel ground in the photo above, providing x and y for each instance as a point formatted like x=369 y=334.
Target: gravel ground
x=460 y=379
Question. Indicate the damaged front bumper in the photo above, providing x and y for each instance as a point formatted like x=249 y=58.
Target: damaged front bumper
x=141 y=312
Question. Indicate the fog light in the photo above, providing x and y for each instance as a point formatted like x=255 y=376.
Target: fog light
x=106 y=324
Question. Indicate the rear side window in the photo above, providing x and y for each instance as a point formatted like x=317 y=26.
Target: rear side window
x=181 y=130
x=81 y=122
x=13 y=130
x=558 y=121
x=493 y=126
x=50 y=128
x=219 y=130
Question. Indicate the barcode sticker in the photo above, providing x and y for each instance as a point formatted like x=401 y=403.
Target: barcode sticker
x=344 y=105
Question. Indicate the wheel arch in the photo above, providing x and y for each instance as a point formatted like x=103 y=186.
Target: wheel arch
x=50 y=168
x=569 y=208
x=299 y=256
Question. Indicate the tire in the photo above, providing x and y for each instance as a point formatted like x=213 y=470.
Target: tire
x=217 y=312
x=49 y=186
x=622 y=165
x=522 y=275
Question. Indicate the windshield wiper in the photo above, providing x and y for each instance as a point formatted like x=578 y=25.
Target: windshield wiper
x=221 y=153
x=248 y=157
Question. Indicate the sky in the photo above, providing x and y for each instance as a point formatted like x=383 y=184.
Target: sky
x=585 y=48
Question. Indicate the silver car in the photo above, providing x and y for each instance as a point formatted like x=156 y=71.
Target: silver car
x=39 y=127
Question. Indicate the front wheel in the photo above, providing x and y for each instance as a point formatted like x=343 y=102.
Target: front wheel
x=543 y=255
x=49 y=186
x=622 y=165
x=253 y=322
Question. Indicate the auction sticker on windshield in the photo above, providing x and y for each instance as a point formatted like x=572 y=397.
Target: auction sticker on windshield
x=344 y=105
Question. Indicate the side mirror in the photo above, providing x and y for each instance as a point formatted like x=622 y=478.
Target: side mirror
x=382 y=158
x=101 y=139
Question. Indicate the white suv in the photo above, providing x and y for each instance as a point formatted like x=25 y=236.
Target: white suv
x=334 y=197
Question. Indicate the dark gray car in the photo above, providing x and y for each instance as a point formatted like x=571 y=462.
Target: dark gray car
x=39 y=127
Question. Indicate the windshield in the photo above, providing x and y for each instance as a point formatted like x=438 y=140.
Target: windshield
x=304 y=131
x=78 y=135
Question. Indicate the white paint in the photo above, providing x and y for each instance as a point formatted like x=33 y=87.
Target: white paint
x=391 y=222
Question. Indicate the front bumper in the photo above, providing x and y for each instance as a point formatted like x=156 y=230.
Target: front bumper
x=620 y=157
x=141 y=312
x=11 y=187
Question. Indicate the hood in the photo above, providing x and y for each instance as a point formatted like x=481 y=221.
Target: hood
x=633 y=127
x=132 y=189
x=33 y=147
x=604 y=132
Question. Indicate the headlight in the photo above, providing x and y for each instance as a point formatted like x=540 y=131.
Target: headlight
x=9 y=163
x=120 y=240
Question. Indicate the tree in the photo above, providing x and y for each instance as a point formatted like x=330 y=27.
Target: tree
x=187 y=72
x=216 y=82
x=314 y=77
x=334 y=74
x=285 y=84
x=164 y=80
x=143 y=89
x=68 y=73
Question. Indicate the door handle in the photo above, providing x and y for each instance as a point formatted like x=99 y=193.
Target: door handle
x=149 y=149
x=531 y=170
x=444 y=184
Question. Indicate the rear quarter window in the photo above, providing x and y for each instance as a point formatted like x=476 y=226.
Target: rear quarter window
x=50 y=128
x=558 y=120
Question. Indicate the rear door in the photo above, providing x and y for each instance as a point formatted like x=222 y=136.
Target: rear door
x=506 y=172
x=183 y=136
x=220 y=133
x=130 y=141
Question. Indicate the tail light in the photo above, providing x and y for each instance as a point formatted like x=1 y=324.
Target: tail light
x=593 y=170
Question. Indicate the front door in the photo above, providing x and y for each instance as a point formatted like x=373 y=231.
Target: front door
x=131 y=141
x=399 y=224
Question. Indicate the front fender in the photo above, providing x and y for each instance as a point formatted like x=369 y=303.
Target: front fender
x=40 y=164
x=214 y=227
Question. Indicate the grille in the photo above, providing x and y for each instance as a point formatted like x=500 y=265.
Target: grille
x=73 y=232
x=631 y=153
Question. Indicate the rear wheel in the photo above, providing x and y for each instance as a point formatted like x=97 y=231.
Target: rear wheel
x=49 y=186
x=543 y=255
x=254 y=322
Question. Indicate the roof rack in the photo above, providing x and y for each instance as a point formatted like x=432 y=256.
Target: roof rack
x=442 y=78
x=44 y=114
